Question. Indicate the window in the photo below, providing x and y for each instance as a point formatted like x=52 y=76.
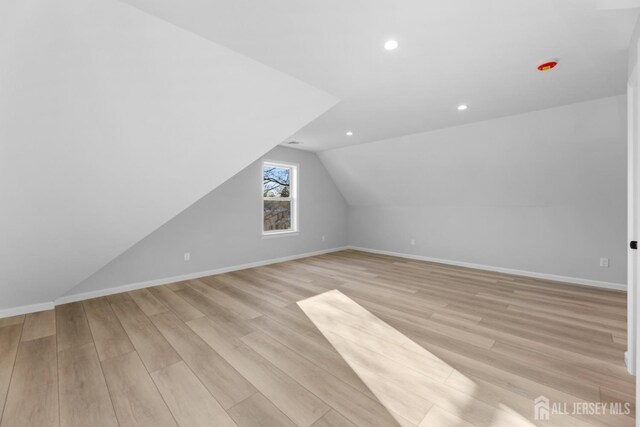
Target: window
x=279 y=198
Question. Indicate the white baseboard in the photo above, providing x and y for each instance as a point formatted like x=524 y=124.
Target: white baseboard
x=156 y=282
x=164 y=281
x=630 y=366
x=15 y=311
x=25 y=309
x=553 y=277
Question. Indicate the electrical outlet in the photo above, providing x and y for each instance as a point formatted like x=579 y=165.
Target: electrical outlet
x=187 y=256
x=604 y=262
x=324 y=238
x=412 y=242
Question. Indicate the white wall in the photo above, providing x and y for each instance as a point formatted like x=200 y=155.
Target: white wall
x=113 y=121
x=543 y=192
x=223 y=229
x=632 y=52
x=632 y=357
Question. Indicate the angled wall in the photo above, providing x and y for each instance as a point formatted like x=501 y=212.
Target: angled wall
x=112 y=122
x=542 y=192
x=223 y=230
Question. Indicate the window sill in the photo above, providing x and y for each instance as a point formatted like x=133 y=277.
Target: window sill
x=280 y=234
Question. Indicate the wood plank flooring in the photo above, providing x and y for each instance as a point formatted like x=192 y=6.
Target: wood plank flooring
x=342 y=339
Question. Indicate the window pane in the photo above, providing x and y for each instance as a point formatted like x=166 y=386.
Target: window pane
x=277 y=215
x=276 y=182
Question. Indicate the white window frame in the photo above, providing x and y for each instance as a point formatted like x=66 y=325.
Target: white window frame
x=293 y=198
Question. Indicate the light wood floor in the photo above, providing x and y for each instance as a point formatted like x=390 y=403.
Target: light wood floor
x=397 y=342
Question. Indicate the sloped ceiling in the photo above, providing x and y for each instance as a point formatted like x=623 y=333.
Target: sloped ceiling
x=541 y=192
x=544 y=158
x=113 y=121
x=480 y=53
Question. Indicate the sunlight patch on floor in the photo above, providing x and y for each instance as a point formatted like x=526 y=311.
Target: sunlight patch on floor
x=407 y=379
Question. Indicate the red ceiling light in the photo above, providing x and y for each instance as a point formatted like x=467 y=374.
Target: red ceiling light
x=547 y=66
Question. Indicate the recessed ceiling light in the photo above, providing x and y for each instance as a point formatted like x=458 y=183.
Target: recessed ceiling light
x=349 y=133
x=462 y=107
x=391 y=45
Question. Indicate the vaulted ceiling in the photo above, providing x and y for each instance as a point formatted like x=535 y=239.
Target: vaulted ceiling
x=480 y=53
x=113 y=118
x=112 y=122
